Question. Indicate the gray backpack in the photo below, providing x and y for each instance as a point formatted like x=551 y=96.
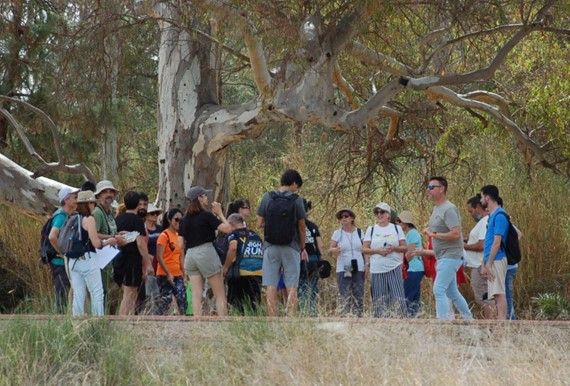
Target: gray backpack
x=70 y=239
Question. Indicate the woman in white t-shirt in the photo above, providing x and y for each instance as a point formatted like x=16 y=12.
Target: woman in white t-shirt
x=384 y=245
x=346 y=245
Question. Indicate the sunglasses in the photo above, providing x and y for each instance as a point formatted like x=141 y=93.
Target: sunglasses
x=177 y=219
x=346 y=215
x=380 y=212
x=153 y=214
x=432 y=187
x=244 y=207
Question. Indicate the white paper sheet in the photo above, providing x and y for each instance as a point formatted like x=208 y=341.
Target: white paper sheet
x=105 y=255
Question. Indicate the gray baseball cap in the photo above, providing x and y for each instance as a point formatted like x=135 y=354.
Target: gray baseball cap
x=197 y=191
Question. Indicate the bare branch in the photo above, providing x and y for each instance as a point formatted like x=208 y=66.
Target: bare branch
x=226 y=48
x=51 y=124
x=375 y=58
x=538 y=151
x=156 y=16
x=487 y=72
x=22 y=134
x=501 y=28
x=490 y=98
x=349 y=25
x=360 y=117
x=343 y=85
x=558 y=31
x=394 y=115
x=58 y=166
x=256 y=54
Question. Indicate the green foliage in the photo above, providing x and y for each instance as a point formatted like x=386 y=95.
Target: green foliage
x=552 y=306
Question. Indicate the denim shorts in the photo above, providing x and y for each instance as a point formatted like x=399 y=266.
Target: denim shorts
x=277 y=256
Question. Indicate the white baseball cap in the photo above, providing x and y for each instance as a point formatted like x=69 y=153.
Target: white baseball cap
x=65 y=192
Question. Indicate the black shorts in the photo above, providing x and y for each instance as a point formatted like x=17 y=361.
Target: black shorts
x=127 y=270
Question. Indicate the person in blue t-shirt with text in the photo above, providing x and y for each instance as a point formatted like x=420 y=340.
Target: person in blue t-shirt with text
x=494 y=267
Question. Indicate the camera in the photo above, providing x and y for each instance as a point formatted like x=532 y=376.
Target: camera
x=354 y=264
x=350 y=268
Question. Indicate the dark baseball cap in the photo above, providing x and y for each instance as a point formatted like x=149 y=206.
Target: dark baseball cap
x=197 y=191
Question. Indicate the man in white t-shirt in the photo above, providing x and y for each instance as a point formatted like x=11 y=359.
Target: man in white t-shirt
x=474 y=254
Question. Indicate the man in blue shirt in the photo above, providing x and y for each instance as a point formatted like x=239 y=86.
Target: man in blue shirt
x=494 y=267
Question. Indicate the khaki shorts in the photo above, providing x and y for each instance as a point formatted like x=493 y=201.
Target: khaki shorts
x=479 y=286
x=202 y=260
x=497 y=286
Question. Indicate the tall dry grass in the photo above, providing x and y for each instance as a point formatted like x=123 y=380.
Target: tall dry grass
x=536 y=200
x=309 y=352
x=19 y=259
x=282 y=352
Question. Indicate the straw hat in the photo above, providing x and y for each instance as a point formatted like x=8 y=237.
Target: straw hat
x=86 y=197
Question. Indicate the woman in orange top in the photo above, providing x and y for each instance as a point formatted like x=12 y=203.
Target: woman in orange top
x=170 y=269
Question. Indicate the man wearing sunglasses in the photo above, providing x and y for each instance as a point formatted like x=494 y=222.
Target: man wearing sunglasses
x=445 y=232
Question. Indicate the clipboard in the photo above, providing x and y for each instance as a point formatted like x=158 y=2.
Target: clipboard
x=105 y=255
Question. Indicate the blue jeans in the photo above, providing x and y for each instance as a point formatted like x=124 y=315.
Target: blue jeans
x=509 y=286
x=412 y=290
x=445 y=289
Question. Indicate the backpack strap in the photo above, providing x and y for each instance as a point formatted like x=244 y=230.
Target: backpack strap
x=79 y=227
x=397 y=232
x=53 y=218
x=504 y=239
x=106 y=219
x=239 y=256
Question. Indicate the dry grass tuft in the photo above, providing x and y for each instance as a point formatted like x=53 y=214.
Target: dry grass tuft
x=304 y=352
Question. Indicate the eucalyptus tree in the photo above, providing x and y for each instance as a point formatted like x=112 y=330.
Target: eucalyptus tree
x=346 y=65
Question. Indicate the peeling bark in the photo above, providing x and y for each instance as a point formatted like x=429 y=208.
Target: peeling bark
x=193 y=129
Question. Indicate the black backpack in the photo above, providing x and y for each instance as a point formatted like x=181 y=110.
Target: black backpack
x=47 y=251
x=280 y=219
x=511 y=243
x=221 y=246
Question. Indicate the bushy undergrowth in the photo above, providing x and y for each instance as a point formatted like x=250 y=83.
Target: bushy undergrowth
x=65 y=352
x=552 y=306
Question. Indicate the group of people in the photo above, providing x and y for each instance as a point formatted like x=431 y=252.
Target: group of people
x=393 y=254
x=200 y=244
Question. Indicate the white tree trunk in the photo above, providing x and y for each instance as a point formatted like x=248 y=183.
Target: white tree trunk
x=19 y=189
x=187 y=84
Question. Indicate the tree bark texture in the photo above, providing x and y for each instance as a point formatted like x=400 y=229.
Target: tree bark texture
x=188 y=84
x=19 y=189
